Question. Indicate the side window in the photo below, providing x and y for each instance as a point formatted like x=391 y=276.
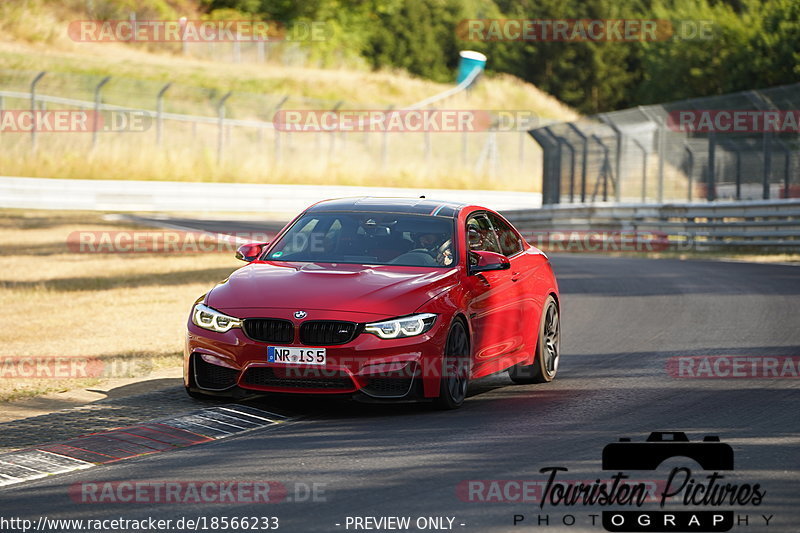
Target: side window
x=510 y=242
x=480 y=235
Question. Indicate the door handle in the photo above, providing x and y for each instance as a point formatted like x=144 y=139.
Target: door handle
x=515 y=276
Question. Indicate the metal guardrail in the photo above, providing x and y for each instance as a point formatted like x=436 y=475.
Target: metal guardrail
x=773 y=225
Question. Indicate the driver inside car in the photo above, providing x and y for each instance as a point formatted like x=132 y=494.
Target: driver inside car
x=437 y=245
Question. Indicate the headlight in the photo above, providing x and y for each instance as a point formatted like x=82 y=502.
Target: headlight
x=398 y=328
x=207 y=318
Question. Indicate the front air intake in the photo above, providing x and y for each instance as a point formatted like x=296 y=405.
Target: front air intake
x=269 y=330
x=298 y=379
x=213 y=377
x=327 y=332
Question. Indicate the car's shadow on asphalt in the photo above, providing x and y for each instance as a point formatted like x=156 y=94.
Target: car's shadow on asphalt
x=335 y=406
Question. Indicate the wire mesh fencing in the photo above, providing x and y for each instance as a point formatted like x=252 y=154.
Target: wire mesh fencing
x=739 y=146
x=157 y=130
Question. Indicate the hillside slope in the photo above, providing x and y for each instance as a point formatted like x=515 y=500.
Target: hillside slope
x=39 y=42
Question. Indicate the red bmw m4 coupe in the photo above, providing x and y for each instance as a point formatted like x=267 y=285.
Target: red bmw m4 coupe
x=381 y=299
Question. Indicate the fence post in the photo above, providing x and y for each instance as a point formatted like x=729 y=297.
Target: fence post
x=493 y=153
x=221 y=122
x=95 y=119
x=427 y=141
x=332 y=135
x=160 y=112
x=584 y=156
x=33 y=107
x=132 y=20
x=551 y=153
x=661 y=148
x=604 y=169
x=763 y=101
x=767 y=176
x=276 y=132
x=787 y=154
x=543 y=138
x=617 y=156
x=385 y=143
x=711 y=192
x=584 y=164
x=787 y=159
x=689 y=171
x=738 y=174
x=562 y=142
x=485 y=154
x=182 y=22
x=555 y=191
x=644 y=169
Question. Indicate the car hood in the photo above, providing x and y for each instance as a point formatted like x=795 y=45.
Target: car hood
x=375 y=290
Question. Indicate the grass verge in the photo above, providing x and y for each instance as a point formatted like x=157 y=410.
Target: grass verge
x=117 y=315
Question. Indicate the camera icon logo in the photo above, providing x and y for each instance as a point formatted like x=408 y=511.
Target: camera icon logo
x=710 y=454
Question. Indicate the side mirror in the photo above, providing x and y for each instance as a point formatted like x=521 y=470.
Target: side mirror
x=250 y=252
x=482 y=261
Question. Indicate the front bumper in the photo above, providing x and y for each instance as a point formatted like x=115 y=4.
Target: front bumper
x=367 y=367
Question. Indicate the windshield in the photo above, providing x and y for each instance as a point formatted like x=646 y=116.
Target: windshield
x=368 y=238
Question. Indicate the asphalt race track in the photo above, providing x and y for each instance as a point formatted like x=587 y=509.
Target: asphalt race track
x=623 y=320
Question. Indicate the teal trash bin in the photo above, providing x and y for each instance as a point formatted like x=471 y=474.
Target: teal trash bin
x=469 y=61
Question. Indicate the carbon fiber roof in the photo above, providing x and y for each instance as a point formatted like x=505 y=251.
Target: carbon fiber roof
x=417 y=206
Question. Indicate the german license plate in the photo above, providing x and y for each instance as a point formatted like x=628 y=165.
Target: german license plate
x=295 y=356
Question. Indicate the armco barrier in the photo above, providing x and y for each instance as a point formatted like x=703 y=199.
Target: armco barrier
x=702 y=226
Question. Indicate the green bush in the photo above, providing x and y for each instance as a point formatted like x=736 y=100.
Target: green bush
x=754 y=43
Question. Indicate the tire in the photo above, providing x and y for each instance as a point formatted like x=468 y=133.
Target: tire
x=548 y=349
x=455 y=368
